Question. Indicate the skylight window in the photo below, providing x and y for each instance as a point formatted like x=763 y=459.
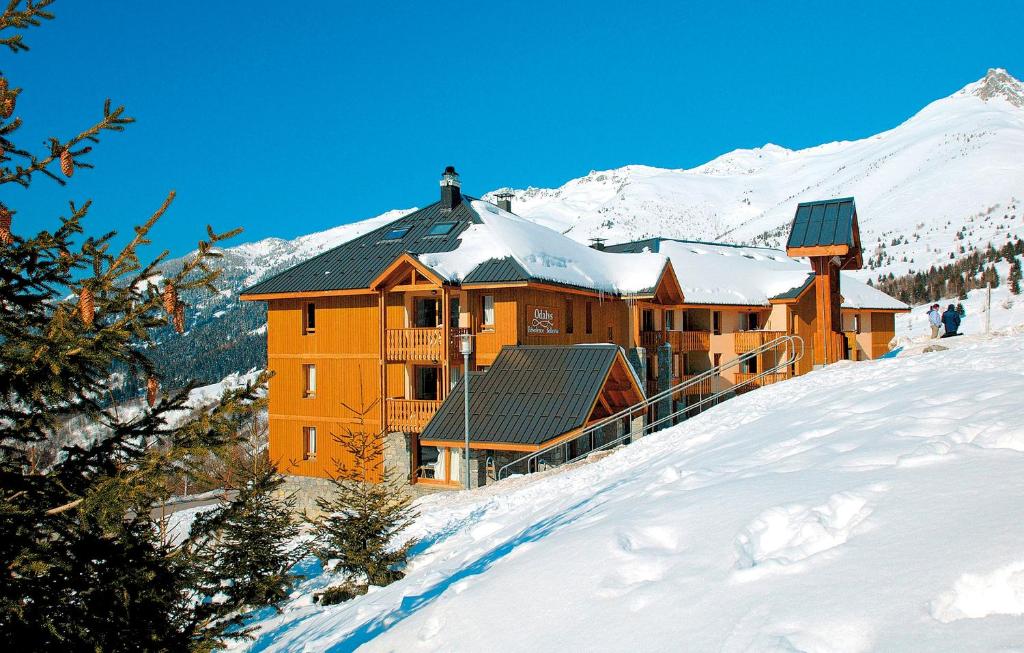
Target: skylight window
x=441 y=229
x=396 y=233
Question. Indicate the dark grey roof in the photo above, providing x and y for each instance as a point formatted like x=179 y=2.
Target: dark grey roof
x=823 y=223
x=654 y=245
x=795 y=292
x=497 y=270
x=356 y=263
x=636 y=246
x=530 y=395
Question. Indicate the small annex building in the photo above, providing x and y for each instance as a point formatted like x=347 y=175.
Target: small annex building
x=531 y=398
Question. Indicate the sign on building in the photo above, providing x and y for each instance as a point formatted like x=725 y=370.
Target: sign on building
x=542 y=321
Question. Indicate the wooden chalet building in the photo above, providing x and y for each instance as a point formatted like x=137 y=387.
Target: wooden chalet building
x=363 y=336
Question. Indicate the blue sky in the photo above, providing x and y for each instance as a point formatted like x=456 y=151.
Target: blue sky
x=287 y=118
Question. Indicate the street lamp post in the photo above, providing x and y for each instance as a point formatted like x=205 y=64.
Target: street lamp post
x=466 y=348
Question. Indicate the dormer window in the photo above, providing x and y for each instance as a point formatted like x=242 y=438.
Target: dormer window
x=441 y=229
x=396 y=234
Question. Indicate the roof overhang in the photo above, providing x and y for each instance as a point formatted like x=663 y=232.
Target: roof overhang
x=392 y=275
x=303 y=294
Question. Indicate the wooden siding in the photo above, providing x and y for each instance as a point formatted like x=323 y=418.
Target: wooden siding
x=348 y=377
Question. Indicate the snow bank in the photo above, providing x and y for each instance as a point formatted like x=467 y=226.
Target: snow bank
x=867 y=506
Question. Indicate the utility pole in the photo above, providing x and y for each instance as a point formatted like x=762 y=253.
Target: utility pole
x=466 y=348
x=988 y=307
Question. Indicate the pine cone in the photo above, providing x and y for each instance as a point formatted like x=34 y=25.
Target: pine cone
x=87 y=306
x=8 y=106
x=170 y=298
x=152 y=386
x=179 y=318
x=5 y=226
x=67 y=164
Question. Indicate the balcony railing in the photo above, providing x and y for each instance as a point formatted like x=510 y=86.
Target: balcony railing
x=415 y=344
x=681 y=341
x=410 y=415
x=651 y=339
x=690 y=340
x=768 y=379
x=750 y=340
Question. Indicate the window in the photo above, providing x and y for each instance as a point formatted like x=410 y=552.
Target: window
x=856 y=323
x=308 y=442
x=568 y=316
x=453 y=311
x=487 y=311
x=611 y=334
x=749 y=322
x=749 y=366
x=647 y=320
x=396 y=233
x=309 y=318
x=309 y=374
x=670 y=320
x=426 y=312
x=718 y=360
x=441 y=229
x=427 y=380
x=716 y=322
x=590 y=320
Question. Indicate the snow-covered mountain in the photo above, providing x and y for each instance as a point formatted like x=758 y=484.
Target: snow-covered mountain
x=947 y=180
x=955 y=164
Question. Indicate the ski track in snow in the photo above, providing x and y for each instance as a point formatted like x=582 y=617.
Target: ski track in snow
x=867 y=506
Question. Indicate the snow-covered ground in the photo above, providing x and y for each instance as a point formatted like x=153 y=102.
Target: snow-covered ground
x=871 y=506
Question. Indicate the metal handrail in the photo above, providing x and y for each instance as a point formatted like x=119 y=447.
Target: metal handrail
x=793 y=351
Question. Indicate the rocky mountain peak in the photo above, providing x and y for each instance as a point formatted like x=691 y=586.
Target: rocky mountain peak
x=999 y=83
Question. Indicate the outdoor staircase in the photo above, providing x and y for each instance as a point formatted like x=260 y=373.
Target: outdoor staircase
x=787 y=350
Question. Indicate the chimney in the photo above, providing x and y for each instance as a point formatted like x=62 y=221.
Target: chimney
x=597 y=243
x=450 y=185
x=505 y=200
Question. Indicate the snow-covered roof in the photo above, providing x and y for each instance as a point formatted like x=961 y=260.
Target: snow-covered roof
x=543 y=254
x=712 y=273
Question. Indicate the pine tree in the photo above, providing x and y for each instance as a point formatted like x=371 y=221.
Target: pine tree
x=250 y=543
x=1015 y=276
x=368 y=509
x=84 y=565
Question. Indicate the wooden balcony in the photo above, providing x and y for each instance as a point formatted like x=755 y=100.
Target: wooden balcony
x=745 y=341
x=410 y=415
x=651 y=340
x=681 y=341
x=705 y=387
x=421 y=343
x=685 y=341
x=768 y=379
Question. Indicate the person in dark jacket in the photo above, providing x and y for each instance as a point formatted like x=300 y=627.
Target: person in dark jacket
x=951 y=322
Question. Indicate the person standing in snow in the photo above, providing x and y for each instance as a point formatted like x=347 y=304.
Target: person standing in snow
x=951 y=321
x=935 y=320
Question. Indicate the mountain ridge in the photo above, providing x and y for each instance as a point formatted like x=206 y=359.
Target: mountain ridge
x=943 y=182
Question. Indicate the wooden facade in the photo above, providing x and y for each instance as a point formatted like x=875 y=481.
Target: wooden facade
x=381 y=358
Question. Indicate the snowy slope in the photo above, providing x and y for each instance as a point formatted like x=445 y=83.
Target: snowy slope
x=868 y=506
